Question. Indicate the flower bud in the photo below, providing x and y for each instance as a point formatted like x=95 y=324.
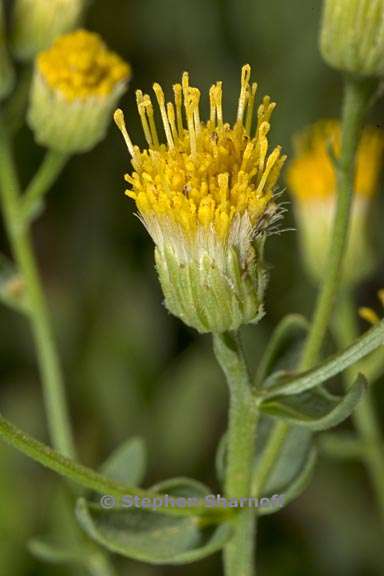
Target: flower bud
x=352 y=36
x=37 y=23
x=76 y=85
x=206 y=198
x=7 y=76
x=311 y=179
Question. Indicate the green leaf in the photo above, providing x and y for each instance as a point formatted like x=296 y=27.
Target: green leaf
x=127 y=464
x=151 y=537
x=297 y=486
x=182 y=487
x=284 y=347
x=315 y=409
x=286 y=383
x=295 y=454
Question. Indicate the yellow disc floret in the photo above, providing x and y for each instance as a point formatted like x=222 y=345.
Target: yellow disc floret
x=80 y=66
x=311 y=175
x=207 y=175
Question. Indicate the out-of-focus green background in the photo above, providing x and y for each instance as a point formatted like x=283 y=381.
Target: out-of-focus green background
x=130 y=368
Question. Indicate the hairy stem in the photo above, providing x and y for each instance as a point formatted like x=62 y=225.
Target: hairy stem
x=239 y=554
x=356 y=99
x=21 y=245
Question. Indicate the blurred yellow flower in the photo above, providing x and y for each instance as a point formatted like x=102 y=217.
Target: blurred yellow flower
x=311 y=174
x=80 y=66
x=311 y=178
x=77 y=83
x=207 y=192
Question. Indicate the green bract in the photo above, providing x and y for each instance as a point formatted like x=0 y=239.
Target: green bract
x=210 y=297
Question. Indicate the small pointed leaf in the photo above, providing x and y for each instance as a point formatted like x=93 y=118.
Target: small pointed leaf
x=285 y=382
x=127 y=464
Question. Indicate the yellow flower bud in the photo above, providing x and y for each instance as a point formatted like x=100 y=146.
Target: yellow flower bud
x=352 y=36
x=76 y=85
x=37 y=23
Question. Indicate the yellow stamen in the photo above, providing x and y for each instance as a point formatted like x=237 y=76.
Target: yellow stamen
x=369 y=315
x=120 y=123
x=161 y=101
x=143 y=117
x=178 y=91
x=250 y=109
x=172 y=119
x=208 y=175
x=147 y=103
x=245 y=76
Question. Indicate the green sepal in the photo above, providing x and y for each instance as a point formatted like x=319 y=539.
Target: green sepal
x=209 y=296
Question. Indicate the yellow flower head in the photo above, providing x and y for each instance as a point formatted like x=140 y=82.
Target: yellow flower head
x=311 y=175
x=206 y=198
x=76 y=86
x=80 y=66
x=209 y=176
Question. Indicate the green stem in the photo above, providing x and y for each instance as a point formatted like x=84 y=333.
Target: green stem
x=239 y=554
x=356 y=100
x=364 y=417
x=88 y=478
x=20 y=241
x=45 y=177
